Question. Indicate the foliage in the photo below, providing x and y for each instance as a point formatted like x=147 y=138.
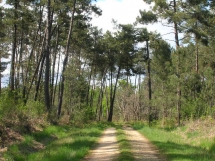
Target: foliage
x=56 y=143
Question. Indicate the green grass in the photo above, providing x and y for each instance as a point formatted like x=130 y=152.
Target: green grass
x=124 y=146
x=56 y=143
x=178 y=145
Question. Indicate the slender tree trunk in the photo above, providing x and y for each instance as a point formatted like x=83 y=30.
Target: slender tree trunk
x=178 y=69
x=100 y=98
x=47 y=57
x=107 y=99
x=110 y=116
x=19 y=60
x=164 y=106
x=92 y=92
x=55 y=87
x=66 y=60
x=150 y=119
x=39 y=78
x=14 y=46
x=197 y=56
x=0 y=72
x=111 y=93
x=140 y=95
x=88 y=88
x=53 y=66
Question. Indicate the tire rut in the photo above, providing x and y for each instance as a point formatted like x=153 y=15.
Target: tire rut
x=107 y=148
x=142 y=149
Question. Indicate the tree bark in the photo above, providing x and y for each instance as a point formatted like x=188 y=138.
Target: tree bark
x=47 y=57
x=110 y=116
x=101 y=93
x=150 y=119
x=0 y=72
x=55 y=87
x=178 y=69
x=66 y=60
x=14 y=46
x=53 y=66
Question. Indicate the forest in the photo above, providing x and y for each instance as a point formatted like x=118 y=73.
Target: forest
x=64 y=70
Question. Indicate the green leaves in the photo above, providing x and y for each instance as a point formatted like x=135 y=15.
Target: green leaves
x=147 y=17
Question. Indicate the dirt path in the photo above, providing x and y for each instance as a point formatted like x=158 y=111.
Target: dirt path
x=142 y=149
x=107 y=148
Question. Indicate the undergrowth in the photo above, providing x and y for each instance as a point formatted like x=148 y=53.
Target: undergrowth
x=56 y=143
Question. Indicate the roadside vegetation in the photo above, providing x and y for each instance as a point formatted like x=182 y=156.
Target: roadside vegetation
x=56 y=143
x=193 y=142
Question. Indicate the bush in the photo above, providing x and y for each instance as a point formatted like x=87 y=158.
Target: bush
x=19 y=117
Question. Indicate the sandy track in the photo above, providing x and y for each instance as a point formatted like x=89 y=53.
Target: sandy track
x=107 y=148
x=142 y=149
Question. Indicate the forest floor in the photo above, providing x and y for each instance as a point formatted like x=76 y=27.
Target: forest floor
x=107 y=148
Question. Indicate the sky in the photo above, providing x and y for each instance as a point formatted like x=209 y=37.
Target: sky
x=125 y=12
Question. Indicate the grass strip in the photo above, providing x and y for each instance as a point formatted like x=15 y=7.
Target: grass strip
x=175 y=147
x=124 y=146
x=56 y=143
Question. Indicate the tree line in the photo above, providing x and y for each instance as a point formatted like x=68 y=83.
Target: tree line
x=63 y=67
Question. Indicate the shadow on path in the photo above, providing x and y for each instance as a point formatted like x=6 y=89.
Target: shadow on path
x=142 y=149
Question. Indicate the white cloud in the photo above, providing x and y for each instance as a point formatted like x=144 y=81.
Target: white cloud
x=125 y=12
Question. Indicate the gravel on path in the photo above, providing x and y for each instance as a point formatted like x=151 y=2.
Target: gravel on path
x=107 y=148
x=142 y=149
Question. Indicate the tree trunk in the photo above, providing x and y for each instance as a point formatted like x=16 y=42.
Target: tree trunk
x=140 y=95
x=47 y=57
x=19 y=60
x=150 y=119
x=113 y=93
x=14 y=46
x=101 y=93
x=39 y=78
x=66 y=60
x=53 y=66
x=0 y=72
x=178 y=70
x=92 y=92
x=55 y=87
x=88 y=88
x=197 y=55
